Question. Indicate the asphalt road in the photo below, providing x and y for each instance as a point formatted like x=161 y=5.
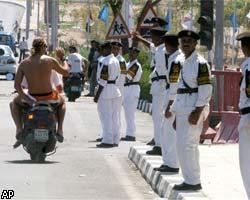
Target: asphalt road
x=78 y=170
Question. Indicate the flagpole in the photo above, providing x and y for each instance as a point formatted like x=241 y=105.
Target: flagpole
x=88 y=28
x=234 y=26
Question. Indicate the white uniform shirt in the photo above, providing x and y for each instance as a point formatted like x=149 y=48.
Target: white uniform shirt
x=173 y=86
x=186 y=103
x=171 y=92
x=99 y=67
x=110 y=90
x=158 y=87
x=76 y=61
x=133 y=90
x=121 y=80
x=244 y=100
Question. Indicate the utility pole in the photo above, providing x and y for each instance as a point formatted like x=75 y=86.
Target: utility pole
x=54 y=24
x=28 y=14
x=47 y=20
x=38 y=17
x=219 y=36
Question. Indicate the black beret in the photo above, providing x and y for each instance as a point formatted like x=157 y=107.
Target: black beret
x=134 y=49
x=116 y=43
x=159 y=31
x=160 y=21
x=188 y=33
x=105 y=44
x=243 y=36
x=168 y=36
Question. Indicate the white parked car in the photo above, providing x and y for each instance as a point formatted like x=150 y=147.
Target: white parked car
x=8 y=63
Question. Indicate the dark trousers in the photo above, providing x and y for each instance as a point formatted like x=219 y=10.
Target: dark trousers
x=22 y=55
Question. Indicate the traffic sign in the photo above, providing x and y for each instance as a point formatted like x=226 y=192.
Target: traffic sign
x=118 y=28
x=146 y=18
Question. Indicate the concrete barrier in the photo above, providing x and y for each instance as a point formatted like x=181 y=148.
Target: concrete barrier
x=161 y=183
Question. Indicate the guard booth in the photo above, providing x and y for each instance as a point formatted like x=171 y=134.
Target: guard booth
x=224 y=106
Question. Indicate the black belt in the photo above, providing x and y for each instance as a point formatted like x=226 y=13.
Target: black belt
x=187 y=90
x=111 y=82
x=245 y=111
x=157 y=78
x=167 y=86
x=131 y=83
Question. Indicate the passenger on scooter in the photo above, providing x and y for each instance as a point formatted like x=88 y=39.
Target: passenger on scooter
x=37 y=70
x=77 y=63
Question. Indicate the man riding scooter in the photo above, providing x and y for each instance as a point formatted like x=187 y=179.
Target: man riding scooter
x=37 y=70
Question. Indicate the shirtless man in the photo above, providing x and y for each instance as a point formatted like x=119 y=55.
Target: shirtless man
x=37 y=70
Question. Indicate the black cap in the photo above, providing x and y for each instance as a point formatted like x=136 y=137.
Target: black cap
x=158 y=31
x=169 y=36
x=243 y=36
x=105 y=44
x=160 y=21
x=188 y=33
x=116 y=43
x=134 y=49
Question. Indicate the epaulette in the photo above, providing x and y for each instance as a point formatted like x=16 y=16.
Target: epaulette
x=105 y=72
x=133 y=70
x=203 y=74
x=174 y=72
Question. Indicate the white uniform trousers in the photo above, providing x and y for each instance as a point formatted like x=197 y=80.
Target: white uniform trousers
x=188 y=137
x=130 y=105
x=168 y=143
x=244 y=151
x=110 y=116
x=157 y=116
x=100 y=114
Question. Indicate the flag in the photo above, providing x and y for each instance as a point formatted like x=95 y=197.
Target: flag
x=187 y=21
x=104 y=13
x=89 y=22
x=248 y=15
x=128 y=13
x=233 y=20
x=169 y=19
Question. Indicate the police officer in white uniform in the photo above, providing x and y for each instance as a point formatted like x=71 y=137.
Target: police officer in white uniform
x=109 y=96
x=99 y=105
x=169 y=152
x=244 y=105
x=132 y=93
x=116 y=50
x=158 y=79
x=191 y=107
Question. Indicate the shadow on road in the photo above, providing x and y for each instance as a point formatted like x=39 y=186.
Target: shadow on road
x=30 y=162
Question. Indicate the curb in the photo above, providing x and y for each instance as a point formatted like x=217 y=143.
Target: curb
x=144 y=106
x=161 y=183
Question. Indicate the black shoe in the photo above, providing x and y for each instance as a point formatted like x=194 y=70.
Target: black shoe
x=154 y=151
x=59 y=137
x=104 y=145
x=151 y=143
x=128 y=138
x=17 y=144
x=185 y=186
x=165 y=168
x=98 y=140
x=115 y=145
x=88 y=95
